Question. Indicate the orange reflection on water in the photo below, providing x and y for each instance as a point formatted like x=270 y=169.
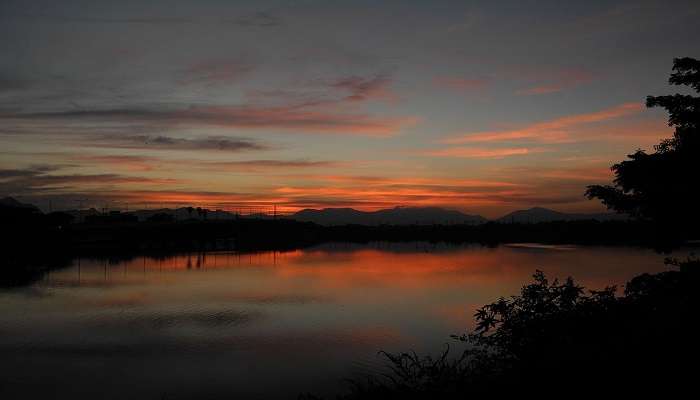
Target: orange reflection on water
x=330 y=309
x=411 y=266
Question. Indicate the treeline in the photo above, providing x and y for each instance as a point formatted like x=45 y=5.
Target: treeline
x=256 y=234
x=30 y=248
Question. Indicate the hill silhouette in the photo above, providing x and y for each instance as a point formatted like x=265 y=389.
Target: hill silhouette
x=400 y=216
x=391 y=216
x=539 y=214
x=11 y=202
x=438 y=216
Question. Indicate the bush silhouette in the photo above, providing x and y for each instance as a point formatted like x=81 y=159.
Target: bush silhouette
x=556 y=336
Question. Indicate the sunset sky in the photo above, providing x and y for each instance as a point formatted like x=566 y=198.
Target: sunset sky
x=484 y=107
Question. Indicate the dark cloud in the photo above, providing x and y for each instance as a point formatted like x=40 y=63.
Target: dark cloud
x=11 y=83
x=150 y=163
x=9 y=174
x=293 y=117
x=318 y=106
x=260 y=19
x=39 y=179
x=117 y=130
x=94 y=19
x=221 y=143
x=216 y=72
x=51 y=180
x=329 y=93
x=364 y=88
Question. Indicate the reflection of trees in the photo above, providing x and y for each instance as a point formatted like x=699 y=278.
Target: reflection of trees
x=24 y=268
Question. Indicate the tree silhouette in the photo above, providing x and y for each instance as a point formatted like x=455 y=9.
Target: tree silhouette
x=662 y=186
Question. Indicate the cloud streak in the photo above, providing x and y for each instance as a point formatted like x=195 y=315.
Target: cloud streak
x=219 y=143
x=558 y=81
x=481 y=152
x=293 y=118
x=37 y=179
x=461 y=84
x=365 y=88
x=216 y=72
x=256 y=165
x=557 y=130
x=495 y=196
x=260 y=19
x=128 y=162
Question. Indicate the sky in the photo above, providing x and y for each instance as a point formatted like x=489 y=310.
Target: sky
x=484 y=107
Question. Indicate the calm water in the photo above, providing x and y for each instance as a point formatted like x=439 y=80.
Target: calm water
x=267 y=325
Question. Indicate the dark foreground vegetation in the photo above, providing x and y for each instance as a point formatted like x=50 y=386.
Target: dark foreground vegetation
x=557 y=339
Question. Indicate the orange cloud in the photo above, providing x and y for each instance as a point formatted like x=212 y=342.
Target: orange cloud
x=557 y=130
x=376 y=197
x=480 y=152
x=492 y=201
x=558 y=81
x=593 y=173
x=503 y=190
x=413 y=181
x=542 y=90
x=128 y=162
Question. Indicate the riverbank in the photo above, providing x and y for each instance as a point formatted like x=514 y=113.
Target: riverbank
x=261 y=234
x=32 y=248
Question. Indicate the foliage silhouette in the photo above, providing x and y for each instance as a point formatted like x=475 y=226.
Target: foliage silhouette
x=661 y=186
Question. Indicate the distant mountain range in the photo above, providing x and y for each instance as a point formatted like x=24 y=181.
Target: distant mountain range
x=347 y=216
x=436 y=215
x=539 y=214
x=9 y=202
x=391 y=216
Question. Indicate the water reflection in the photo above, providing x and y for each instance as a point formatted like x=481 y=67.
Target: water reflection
x=227 y=324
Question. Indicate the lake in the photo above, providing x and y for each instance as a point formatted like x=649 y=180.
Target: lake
x=264 y=325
